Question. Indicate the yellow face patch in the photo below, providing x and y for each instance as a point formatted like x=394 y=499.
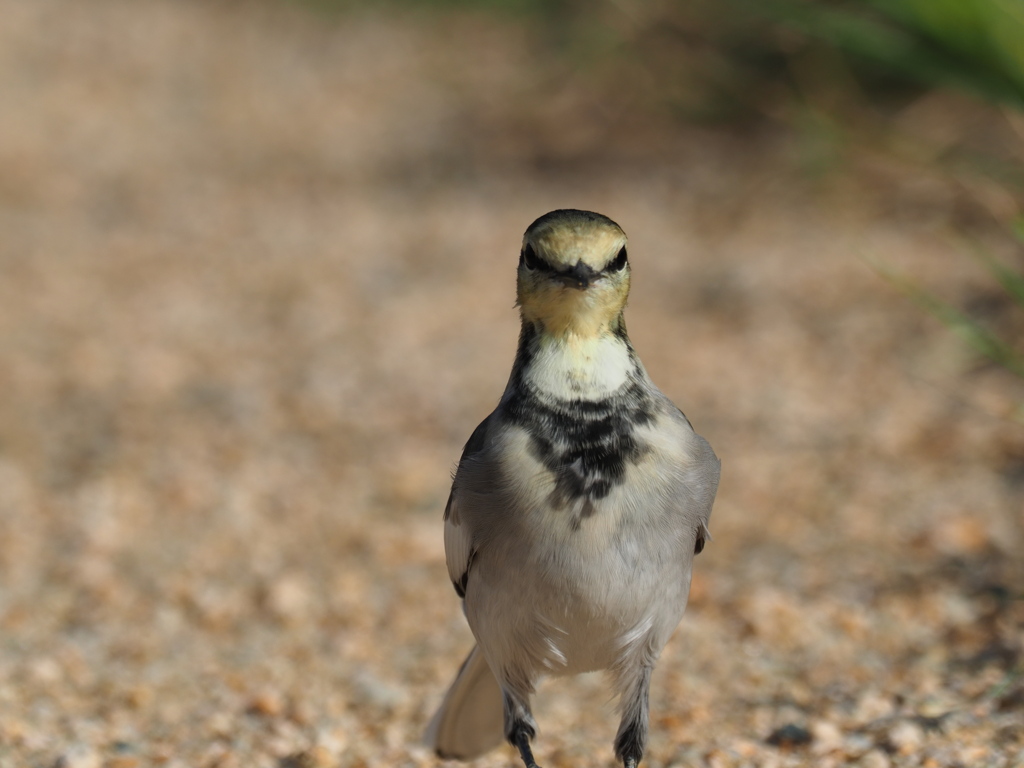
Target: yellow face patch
x=573 y=277
x=562 y=309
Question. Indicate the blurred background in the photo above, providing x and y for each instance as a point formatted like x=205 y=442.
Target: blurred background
x=257 y=289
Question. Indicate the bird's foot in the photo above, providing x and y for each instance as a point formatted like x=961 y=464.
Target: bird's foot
x=522 y=743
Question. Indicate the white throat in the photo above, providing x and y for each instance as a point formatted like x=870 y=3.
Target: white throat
x=579 y=367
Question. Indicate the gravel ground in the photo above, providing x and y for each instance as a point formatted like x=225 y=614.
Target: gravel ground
x=257 y=290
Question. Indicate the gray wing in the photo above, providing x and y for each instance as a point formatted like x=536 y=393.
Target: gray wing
x=706 y=472
x=458 y=538
x=698 y=479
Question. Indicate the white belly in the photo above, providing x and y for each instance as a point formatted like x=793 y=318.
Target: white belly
x=562 y=597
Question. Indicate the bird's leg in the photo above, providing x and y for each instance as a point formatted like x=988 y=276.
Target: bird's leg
x=632 y=736
x=520 y=727
x=521 y=738
x=629 y=745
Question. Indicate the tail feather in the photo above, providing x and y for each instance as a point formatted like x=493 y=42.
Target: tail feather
x=471 y=719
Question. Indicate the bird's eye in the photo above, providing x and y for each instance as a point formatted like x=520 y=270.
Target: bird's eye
x=529 y=258
x=619 y=263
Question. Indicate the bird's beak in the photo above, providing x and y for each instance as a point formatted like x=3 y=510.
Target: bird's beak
x=579 y=277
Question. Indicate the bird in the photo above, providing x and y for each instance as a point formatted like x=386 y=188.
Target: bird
x=577 y=506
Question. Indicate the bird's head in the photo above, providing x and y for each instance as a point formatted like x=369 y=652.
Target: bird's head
x=573 y=273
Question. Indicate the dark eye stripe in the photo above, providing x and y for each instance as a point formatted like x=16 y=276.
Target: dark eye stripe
x=531 y=260
x=619 y=262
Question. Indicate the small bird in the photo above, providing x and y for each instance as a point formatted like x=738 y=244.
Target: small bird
x=577 y=506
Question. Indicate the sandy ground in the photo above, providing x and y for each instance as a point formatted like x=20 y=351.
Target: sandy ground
x=257 y=290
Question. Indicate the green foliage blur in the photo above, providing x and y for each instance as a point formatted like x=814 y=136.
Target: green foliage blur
x=977 y=45
x=728 y=50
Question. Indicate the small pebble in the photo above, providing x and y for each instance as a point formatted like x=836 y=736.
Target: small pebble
x=78 y=756
x=974 y=755
x=45 y=670
x=872 y=706
x=745 y=748
x=857 y=743
x=318 y=757
x=374 y=691
x=288 y=598
x=220 y=724
x=876 y=758
x=906 y=736
x=827 y=736
x=266 y=704
x=789 y=736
